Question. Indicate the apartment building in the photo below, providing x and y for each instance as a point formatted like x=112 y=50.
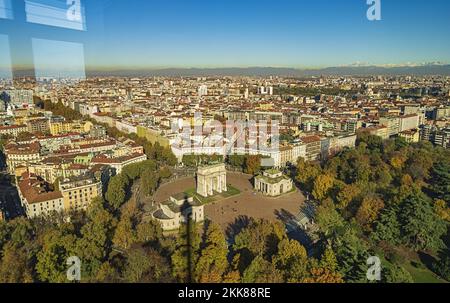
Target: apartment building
x=410 y=136
x=427 y=132
x=409 y=122
x=392 y=124
x=397 y=124
x=286 y=155
x=95 y=147
x=37 y=198
x=379 y=131
x=126 y=127
x=298 y=151
x=79 y=191
x=332 y=145
x=13 y=130
x=442 y=137
x=119 y=163
x=313 y=147
x=52 y=169
x=98 y=131
x=51 y=144
x=441 y=113
x=21 y=155
x=17 y=97
x=40 y=125
x=58 y=127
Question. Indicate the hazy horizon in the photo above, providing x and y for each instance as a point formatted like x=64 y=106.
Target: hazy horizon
x=155 y=34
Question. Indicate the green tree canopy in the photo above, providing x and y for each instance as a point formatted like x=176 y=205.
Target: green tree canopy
x=261 y=271
x=212 y=263
x=421 y=228
x=396 y=274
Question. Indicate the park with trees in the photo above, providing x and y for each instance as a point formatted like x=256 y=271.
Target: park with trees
x=387 y=198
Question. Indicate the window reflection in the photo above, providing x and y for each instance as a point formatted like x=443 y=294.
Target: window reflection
x=6 y=11
x=5 y=58
x=61 y=13
x=58 y=59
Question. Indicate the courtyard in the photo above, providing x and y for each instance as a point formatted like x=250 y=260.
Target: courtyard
x=246 y=204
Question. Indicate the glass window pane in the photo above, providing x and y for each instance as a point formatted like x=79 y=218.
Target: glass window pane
x=5 y=58
x=61 y=13
x=6 y=9
x=58 y=59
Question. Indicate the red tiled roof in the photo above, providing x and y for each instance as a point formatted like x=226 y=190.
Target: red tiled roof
x=12 y=127
x=33 y=189
x=106 y=160
x=23 y=149
x=310 y=139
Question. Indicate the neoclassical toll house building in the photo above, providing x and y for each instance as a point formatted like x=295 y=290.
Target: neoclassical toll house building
x=273 y=183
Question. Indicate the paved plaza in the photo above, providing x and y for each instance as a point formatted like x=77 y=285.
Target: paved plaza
x=248 y=203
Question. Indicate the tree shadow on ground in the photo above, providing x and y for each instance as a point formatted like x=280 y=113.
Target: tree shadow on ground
x=284 y=216
x=239 y=224
x=294 y=231
x=427 y=260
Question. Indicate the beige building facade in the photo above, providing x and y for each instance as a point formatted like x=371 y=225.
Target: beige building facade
x=177 y=211
x=273 y=183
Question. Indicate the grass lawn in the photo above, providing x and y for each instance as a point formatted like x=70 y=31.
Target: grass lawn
x=232 y=191
x=203 y=200
x=418 y=270
x=422 y=274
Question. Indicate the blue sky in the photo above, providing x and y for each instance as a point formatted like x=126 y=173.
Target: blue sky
x=231 y=33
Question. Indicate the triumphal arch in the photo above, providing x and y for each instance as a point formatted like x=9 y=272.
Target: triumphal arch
x=211 y=179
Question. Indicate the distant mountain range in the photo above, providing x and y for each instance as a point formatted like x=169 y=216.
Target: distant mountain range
x=420 y=70
x=351 y=70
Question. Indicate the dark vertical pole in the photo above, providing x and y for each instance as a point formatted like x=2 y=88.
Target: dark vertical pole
x=189 y=247
x=189 y=226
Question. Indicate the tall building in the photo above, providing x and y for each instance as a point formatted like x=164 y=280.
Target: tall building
x=441 y=113
x=392 y=123
x=399 y=124
x=409 y=122
x=442 y=137
x=202 y=91
x=427 y=133
x=263 y=90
